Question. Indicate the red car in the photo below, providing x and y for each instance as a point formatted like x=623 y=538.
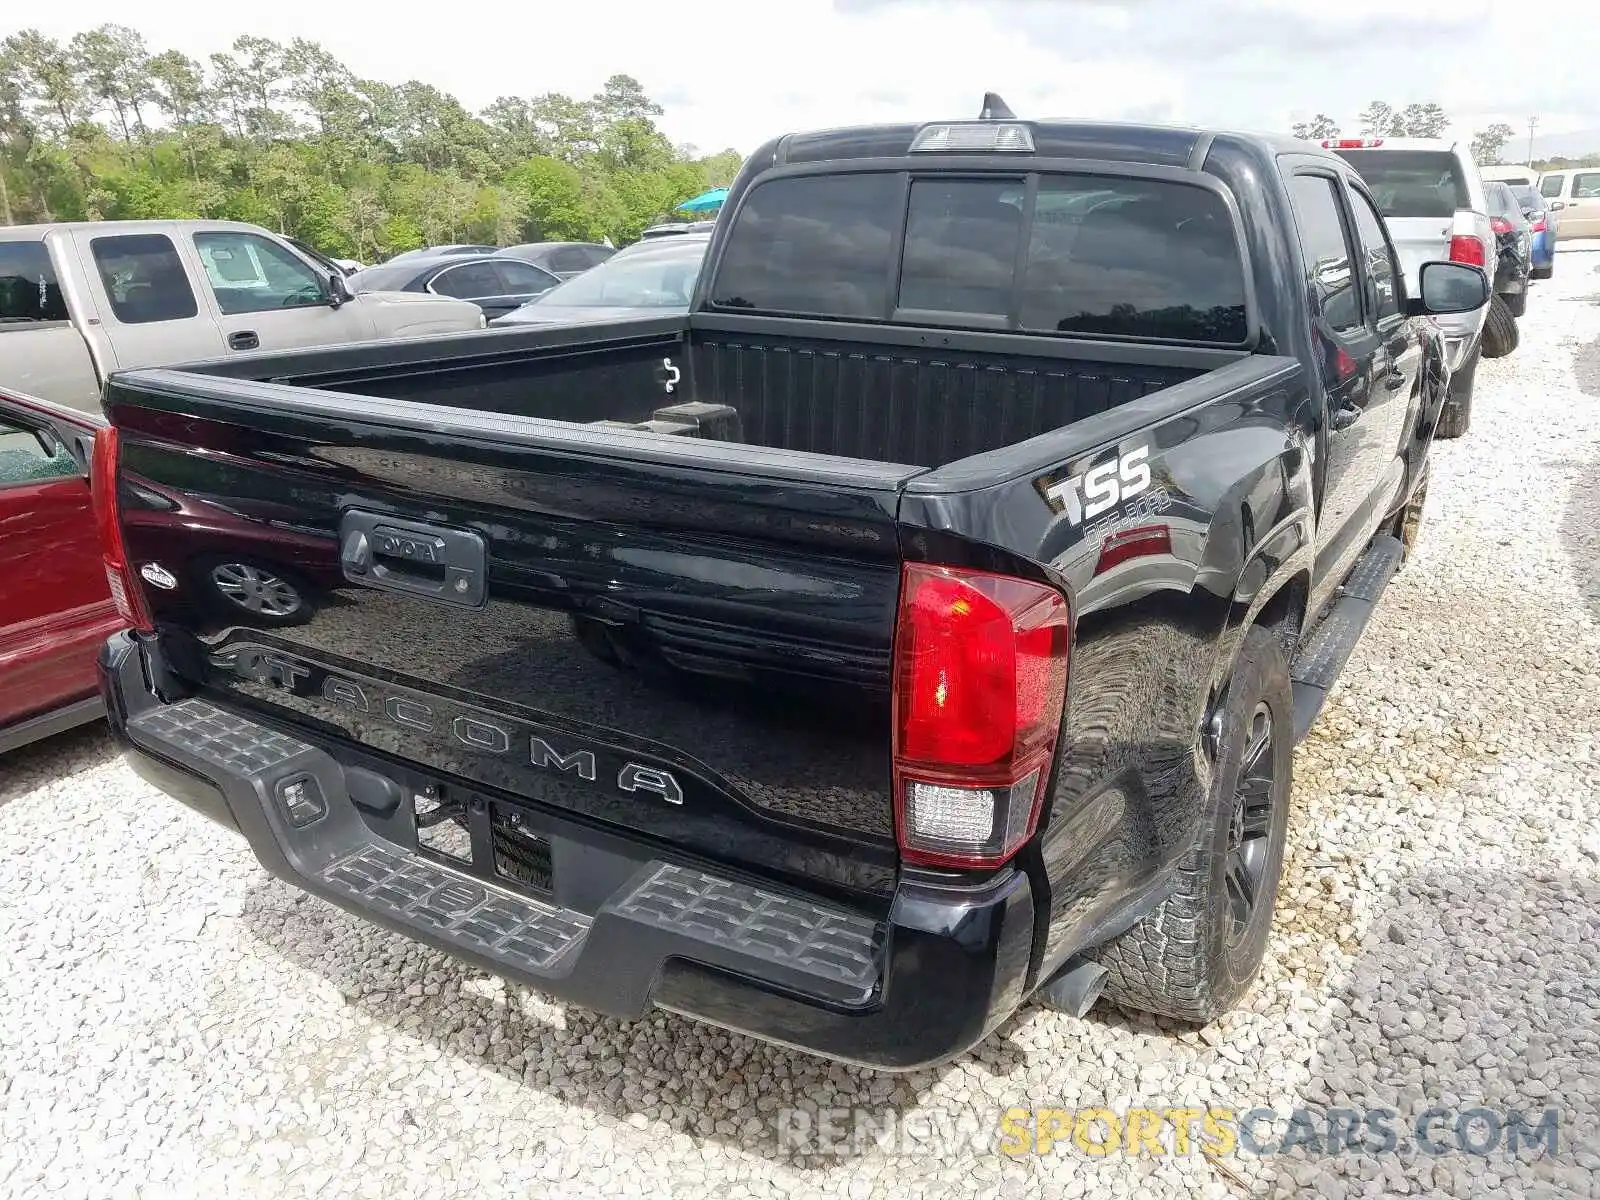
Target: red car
x=55 y=606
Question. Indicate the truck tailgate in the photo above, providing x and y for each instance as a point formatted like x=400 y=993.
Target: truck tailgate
x=685 y=639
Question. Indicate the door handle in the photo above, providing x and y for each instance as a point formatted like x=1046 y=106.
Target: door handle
x=432 y=561
x=1345 y=417
x=243 y=339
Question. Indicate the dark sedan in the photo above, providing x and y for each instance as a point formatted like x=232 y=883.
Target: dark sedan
x=495 y=283
x=647 y=279
x=1513 y=237
x=565 y=259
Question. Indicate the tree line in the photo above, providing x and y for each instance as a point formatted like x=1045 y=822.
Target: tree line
x=99 y=127
x=1379 y=119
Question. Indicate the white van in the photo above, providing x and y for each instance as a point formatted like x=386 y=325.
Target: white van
x=1573 y=194
x=79 y=300
x=1526 y=176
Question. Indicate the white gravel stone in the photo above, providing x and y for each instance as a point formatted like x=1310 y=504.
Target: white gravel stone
x=178 y=1024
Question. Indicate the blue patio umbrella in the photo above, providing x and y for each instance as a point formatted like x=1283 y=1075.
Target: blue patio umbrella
x=705 y=201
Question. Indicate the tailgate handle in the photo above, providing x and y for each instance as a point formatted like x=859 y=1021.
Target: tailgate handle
x=432 y=561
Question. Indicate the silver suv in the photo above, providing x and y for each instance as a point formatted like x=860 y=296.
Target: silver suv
x=1432 y=198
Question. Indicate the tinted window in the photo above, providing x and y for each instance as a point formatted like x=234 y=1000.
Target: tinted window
x=1133 y=258
x=570 y=258
x=521 y=279
x=1530 y=200
x=249 y=273
x=1412 y=183
x=1326 y=249
x=468 y=282
x=28 y=288
x=961 y=245
x=23 y=458
x=1381 y=265
x=818 y=246
x=1550 y=186
x=1501 y=202
x=1586 y=185
x=144 y=278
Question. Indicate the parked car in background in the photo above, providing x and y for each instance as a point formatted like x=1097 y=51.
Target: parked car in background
x=1542 y=225
x=673 y=228
x=646 y=279
x=1431 y=196
x=1575 y=195
x=561 y=259
x=495 y=283
x=55 y=602
x=1513 y=236
x=80 y=300
x=439 y=251
x=1526 y=176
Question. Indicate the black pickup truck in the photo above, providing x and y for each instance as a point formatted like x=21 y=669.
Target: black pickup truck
x=922 y=623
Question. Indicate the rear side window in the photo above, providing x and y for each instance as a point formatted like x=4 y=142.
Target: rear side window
x=143 y=278
x=817 y=246
x=469 y=282
x=1103 y=256
x=1326 y=247
x=29 y=291
x=1412 y=183
x=25 y=459
x=1133 y=258
x=1586 y=185
x=1550 y=186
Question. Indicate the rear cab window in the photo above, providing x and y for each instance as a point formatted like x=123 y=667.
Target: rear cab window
x=30 y=293
x=1086 y=255
x=1412 y=183
x=143 y=278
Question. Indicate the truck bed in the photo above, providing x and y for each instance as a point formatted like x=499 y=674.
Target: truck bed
x=873 y=393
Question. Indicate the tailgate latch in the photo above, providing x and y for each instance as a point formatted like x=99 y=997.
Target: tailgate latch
x=432 y=561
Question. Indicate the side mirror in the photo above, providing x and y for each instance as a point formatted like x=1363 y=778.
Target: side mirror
x=338 y=290
x=1557 y=205
x=1450 y=288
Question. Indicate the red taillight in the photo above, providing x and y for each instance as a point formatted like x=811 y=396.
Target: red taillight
x=125 y=591
x=1133 y=543
x=1540 y=226
x=1499 y=224
x=980 y=684
x=1464 y=248
x=1351 y=143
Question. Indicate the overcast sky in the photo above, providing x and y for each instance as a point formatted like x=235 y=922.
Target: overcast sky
x=733 y=74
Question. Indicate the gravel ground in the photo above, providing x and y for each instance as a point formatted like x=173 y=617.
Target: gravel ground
x=175 y=1023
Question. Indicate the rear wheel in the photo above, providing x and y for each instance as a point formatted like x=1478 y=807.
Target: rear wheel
x=1194 y=956
x=1500 y=335
x=1517 y=302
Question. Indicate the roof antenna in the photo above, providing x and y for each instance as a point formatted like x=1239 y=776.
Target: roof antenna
x=995 y=109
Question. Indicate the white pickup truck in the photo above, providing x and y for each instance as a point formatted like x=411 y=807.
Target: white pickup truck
x=79 y=300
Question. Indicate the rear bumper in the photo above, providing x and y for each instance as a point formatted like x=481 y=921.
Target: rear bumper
x=920 y=987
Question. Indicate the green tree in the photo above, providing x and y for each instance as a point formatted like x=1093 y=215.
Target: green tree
x=1422 y=121
x=1489 y=144
x=1315 y=130
x=1379 y=120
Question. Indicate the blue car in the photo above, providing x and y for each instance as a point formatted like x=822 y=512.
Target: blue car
x=1543 y=223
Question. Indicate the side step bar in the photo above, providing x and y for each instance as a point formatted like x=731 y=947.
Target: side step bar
x=1324 y=654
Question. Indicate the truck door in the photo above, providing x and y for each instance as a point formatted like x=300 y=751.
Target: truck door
x=1398 y=357
x=147 y=304
x=1353 y=442
x=41 y=351
x=1580 y=216
x=267 y=297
